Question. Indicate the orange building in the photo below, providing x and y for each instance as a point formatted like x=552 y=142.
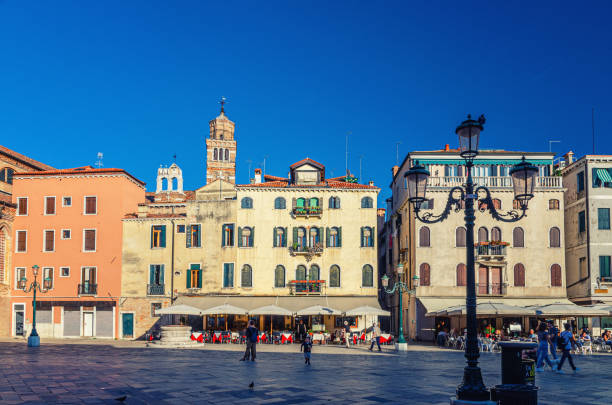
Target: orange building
x=68 y=222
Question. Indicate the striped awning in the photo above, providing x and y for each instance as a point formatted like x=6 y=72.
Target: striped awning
x=604 y=175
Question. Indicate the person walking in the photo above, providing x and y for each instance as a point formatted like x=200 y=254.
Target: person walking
x=306 y=347
x=252 y=334
x=566 y=340
x=347 y=334
x=542 y=352
x=553 y=331
x=301 y=330
x=375 y=337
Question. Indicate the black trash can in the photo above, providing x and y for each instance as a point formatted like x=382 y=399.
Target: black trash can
x=518 y=376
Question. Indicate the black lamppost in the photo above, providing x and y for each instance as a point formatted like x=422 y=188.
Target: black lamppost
x=34 y=339
x=523 y=178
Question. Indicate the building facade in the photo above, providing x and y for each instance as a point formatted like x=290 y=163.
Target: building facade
x=68 y=222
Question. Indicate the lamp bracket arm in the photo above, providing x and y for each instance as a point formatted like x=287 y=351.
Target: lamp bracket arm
x=452 y=204
x=486 y=204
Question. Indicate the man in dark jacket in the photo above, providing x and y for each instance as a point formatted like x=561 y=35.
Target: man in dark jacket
x=252 y=334
x=301 y=330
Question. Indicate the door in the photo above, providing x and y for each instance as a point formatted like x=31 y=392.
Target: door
x=496 y=281
x=483 y=280
x=19 y=316
x=88 y=324
x=128 y=325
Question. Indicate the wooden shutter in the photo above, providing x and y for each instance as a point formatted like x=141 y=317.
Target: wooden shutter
x=483 y=280
x=90 y=240
x=162 y=242
x=152 y=236
x=460 y=237
x=21 y=241
x=555 y=276
x=50 y=205
x=199 y=228
x=461 y=275
x=518 y=237
x=188 y=236
x=284 y=238
x=90 y=205
x=339 y=236
x=49 y=241
x=188 y=278
x=295 y=235
x=555 y=237
x=424 y=237
x=496 y=234
x=199 y=277
x=424 y=274
x=497 y=204
x=239 y=236
x=274 y=236
x=483 y=235
x=252 y=237
x=161 y=275
x=151 y=274
x=519 y=275
x=361 y=238
x=23 y=206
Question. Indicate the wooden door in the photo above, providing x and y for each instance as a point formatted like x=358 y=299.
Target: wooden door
x=496 y=280
x=87 y=323
x=483 y=280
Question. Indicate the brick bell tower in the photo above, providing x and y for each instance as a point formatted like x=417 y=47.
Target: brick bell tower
x=221 y=149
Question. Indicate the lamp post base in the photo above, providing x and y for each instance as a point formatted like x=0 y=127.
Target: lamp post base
x=455 y=401
x=401 y=347
x=33 y=341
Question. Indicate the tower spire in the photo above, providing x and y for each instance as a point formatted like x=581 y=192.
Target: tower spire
x=222 y=102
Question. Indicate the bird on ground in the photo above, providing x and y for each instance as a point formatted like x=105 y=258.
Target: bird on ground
x=252 y=385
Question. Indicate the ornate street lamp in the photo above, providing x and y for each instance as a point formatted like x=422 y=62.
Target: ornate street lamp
x=400 y=287
x=34 y=339
x=523 y=178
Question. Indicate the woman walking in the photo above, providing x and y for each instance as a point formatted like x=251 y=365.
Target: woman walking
x=544 y=340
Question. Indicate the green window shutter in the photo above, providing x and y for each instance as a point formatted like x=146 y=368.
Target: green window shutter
x=199 y=235
x=200 y=278
x=152 y=236
x=222 y=235
x=327 y=237
x=274 y=244
x=151 y=274
x=161 y=275
x=339 y=237
x=604 y=266
x=284 y=238
x=188 y=236
x=252 y=238
x=163 y=236
x=321 y=234
x=373 y=235
x=189 y=278
x=361 y=237
x=239 y=236
x=295 y=235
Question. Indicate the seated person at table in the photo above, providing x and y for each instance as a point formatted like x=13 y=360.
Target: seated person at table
x=607 y=338
x=532 y=334
x=584 y=335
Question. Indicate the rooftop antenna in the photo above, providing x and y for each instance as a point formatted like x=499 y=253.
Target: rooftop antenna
x=264 y=164
x=593 y=127
x=99 y=163
x=550 y=145
x=346 y=163
x=360 y=158
x=397 y=144
x=250 y=162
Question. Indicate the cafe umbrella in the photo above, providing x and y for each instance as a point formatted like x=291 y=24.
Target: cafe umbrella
x=225 y=309
x=271 y=310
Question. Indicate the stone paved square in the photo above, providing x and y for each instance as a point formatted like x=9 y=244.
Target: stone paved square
x=98 y=373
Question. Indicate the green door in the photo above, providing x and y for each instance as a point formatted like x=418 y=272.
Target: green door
x=128 y=325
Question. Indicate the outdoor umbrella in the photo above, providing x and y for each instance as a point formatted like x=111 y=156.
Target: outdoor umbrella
x=319 y=310
x=570 y=310
x=368 y=311
x=225 y=309
x=270 y=310
x=179 y=310
x=443 y=312
x=492 y=309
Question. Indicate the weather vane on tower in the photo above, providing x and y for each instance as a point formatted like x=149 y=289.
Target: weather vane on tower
x=222 y=102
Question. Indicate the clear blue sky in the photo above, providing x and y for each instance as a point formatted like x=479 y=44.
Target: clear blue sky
x=139 y=80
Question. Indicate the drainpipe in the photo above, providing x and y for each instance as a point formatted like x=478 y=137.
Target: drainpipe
x=172 y=262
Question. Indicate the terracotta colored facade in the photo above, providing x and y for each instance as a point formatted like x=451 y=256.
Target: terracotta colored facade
x=73 y=232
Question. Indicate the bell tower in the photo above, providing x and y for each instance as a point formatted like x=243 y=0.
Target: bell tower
x=221 y=149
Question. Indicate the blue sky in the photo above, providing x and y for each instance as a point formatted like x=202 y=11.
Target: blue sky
x=140 y=80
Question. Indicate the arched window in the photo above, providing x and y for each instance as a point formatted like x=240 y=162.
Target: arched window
x=519 y=275
x=497 y=203
x=279 y=203
x=174 y=183
x=245 y=236
x=516 y=205
x=518 y=237
x=227 y=154
x=334 y=276
x=334 y=202
x=483 y=234
x=315 y=236
x=215 y=154
x=553 y=204
x=334 y=237
x=164 y=183
x=496 y=234
x=367 y=276
x=300 y=272
x=300 y=203
x=555 y=276
x=461 y=275
x=460 y=234
x=366 y=202
x=246 y=202
x=424 y=237
x=313 y=202
x=314 y=273
x=424 y=275
x=279 y=276
x=300 y=238
x=280 y=237
x=246 y=276
x=367 y=237
x=555 y=237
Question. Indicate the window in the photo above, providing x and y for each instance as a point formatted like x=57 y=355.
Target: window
x=227 y=237
x=497 y=204
x=314 y=273
x=22 y=206
x=156 y=274
x=460 y=235
x=424 y=237
x=367 y=276
x=300 y=272
x=154 y=307
x=20 y=274
x=194 y=276
x=246 y=236
x=279 y=277
x=279 y=237
x=424 y=275
x=246 y=202
x=64 y=271
x=47 y=278
x=228 y=275
x=367 y=236
x=334 y=237
x=555 y=276
x=49 y=245
x=315 y=236
x=313 y=202
x=280 y=203
x=519 y=275
x=603 y=218
x=300 y=203
x=91 y=205
x=483 y=234
x=180 y=229
x=461 y=275
x=427 y=204
x=518 y=237
x=581 y=222
x=334 y=203
x=215 y=154
x=158 y=236
x=67 y=202
x=226 y=154
x=88 y=281
x=496 y=234
x=89 y=240
x=603 y=177
x=334 y=276
x=66 y=234
x=366 y=202
x=555 y=237
x=299 y=238
x=193 y=236
x=6 y=175
x=553 y=204
x=604 y=268
x=49 y=205
x=580 y=182
x=516 y=205
x=22 y=243
x=246 y=276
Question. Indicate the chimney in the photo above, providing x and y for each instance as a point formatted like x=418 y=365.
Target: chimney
x=371 y=183
x=569 y=158
x=380 y=212
x=395 y=170
x=257 y=176
x=446 y=148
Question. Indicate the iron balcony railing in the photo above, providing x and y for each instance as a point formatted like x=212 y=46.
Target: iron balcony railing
x=490 y=250
x=155 y=289
x=491 y=289
x=307 y=211
x=88 y=289
x=306 y=287
x=546 y=182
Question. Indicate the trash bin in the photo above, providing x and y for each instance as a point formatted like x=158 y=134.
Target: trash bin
x=518 y=376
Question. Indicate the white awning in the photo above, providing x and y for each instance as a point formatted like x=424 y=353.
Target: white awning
x=225 y=309
x=561 y=309
x=319 y=310
x=437 y=306
x=368 y=311
x=270 y=310
x=180 y=309
x=493 y=309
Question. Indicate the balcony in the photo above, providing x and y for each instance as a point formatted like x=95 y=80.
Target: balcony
x=88 y=289
x=490 y=250
x=155 y=289
x=605 y=280
x=547 y=182
x=491 y=289
x=307 y=251
x=305 y=212
x=306 y=287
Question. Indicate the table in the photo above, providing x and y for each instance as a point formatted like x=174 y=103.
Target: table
x=262 y=338
x=235 y=337
x=197 y=336
x=321 y=337
x=386 y=338
x=216 y=337
x=286 y=338
x=362 y=337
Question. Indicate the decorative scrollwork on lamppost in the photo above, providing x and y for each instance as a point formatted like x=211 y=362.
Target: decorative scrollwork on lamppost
x=401 y=288
x=523 y=176
x=34 y=339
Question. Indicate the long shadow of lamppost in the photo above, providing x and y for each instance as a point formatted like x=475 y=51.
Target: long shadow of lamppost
x=34 y=339
x=523 y=176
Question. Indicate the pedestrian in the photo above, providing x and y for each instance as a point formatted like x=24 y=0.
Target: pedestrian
x=566 y=340
x=375 y=337
x=301 y=330
x=347 y=334
x=553 y=331
x=252 y=334
x=306 y=347
x=542 y=352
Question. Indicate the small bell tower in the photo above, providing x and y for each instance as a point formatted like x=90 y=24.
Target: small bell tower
x=221 y=148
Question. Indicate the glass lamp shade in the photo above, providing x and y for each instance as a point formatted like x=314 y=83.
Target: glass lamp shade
x=35 y=270
x=416 y=179
x=469 y=135
x=523 y=180
x=22 y=283
x=385 y=281
x=400 y=269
